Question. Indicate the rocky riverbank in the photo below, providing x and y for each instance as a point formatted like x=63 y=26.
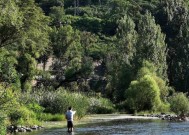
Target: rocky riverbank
x=15 y=129
x=169 y=117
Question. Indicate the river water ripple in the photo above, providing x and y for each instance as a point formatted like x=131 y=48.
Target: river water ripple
x=123 y=127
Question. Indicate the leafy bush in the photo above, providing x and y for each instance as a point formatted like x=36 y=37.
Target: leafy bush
x=143 y=94
x=121 y=107
x=149 y=92
x=102 y=110
x=7 y=98
x=100 y=106
x=23 y=116
x=149 y=69
x=164 y=107
x=164 y=89
x=179 y=103
x=35 y=107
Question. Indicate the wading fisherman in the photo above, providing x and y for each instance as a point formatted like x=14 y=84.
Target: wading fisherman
x=69 y=117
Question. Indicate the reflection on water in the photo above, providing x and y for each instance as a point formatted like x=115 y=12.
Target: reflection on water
x=123 y=127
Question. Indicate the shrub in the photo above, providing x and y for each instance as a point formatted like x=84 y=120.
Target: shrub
x=23 y=116
x=8 y=98
x=149 y=69
x=100 y=106
x=164 y=107
x=35 y=107
x=179 y=103
x=121 y=107
x=164 y=89
x=143 y=94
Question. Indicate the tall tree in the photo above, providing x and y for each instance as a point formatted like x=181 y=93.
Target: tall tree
x=173 y=18
x=151 y=44
x=127 y=38
x=10 y=22
x=24 y=35
x=68 y=51
x=178 y=74
x=57 y=14
x=34 y=40
x=119 y=60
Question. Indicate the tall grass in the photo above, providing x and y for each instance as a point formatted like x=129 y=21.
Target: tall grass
x=58 y=101
x=50 y=117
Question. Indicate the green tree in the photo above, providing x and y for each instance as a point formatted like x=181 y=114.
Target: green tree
x=88 y=41
x=147 y=81
x=34 y=41
x=7 y=103
x=24 y=34
x=120 y=65
x=143 y=94
x=117 y=9
x=172 y=15
x=57 y=14
x=68 y=51
x=8 y=73
x=10 y=22
x=180 y=76
x=151 y=45
x=127 y=38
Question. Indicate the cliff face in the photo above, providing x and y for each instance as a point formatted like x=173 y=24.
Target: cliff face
x=96 y=81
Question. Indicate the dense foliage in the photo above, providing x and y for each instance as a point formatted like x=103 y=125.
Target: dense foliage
x=179 y=104
x=133 y=53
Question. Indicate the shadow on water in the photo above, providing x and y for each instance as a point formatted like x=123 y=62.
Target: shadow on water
x=122 y=127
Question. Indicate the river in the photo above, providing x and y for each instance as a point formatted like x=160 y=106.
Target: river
x=122 y=127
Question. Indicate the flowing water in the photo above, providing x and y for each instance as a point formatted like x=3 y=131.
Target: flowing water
x=122 y=127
